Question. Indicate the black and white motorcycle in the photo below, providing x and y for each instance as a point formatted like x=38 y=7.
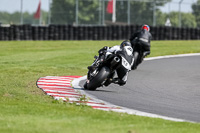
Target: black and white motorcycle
x=104 y=71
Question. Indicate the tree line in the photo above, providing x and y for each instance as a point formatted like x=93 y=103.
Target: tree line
x=91 y=12
x=15 y=18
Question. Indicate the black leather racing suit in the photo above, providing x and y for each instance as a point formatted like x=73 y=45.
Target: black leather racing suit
x=140 y=42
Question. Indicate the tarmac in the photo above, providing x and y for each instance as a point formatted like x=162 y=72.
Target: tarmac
x=167 y=86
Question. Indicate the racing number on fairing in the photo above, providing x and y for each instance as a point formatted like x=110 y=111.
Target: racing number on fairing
x=129 y=50
x=126 y=64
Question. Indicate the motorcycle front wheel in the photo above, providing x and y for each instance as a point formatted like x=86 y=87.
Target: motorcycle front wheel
x=99 y=78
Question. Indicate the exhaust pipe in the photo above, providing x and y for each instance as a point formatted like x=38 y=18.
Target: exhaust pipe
x=115 y=61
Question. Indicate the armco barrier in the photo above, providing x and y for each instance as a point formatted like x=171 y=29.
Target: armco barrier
x=112 y=32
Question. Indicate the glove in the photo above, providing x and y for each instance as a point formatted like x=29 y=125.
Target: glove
x=146 y=53
x=103 y=50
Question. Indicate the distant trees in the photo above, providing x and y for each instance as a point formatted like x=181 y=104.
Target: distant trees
x=7 y=18
x=140 y=12
x=91 y=12
x=14 y=18
x=196 y=12
x=187 y=19
x=63 y=11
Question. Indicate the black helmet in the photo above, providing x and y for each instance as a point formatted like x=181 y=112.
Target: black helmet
x=125 y=43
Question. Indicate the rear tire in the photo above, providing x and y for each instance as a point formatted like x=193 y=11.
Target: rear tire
x=135 y=64
x=98 y=79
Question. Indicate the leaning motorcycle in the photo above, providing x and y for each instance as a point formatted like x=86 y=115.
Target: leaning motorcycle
x=104 y=70
x=139 y=56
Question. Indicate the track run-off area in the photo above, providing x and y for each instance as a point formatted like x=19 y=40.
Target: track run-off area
x=166 y=87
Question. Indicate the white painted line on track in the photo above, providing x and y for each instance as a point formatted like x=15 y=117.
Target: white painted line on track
x=172 y=56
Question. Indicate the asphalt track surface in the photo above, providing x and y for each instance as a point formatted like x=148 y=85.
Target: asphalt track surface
x=168 y=87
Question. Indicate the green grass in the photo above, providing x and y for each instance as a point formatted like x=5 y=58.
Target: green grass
x=26 y=109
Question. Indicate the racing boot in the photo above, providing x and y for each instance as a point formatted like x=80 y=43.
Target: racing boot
x=118 y=81
x=108 y=82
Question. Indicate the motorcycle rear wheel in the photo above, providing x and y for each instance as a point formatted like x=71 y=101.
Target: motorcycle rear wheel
x=135 y=64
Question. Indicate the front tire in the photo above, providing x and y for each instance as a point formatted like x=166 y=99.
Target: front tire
x=98 y=79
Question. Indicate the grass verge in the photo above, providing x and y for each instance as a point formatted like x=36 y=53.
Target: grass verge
x=25 y=108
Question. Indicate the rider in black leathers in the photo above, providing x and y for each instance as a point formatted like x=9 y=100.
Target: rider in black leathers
x=141 y=45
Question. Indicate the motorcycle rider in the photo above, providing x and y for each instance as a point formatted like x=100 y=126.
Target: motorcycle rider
x=124 y=49
x=141 y=44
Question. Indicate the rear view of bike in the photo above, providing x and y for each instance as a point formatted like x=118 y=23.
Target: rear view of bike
x=101 y=72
